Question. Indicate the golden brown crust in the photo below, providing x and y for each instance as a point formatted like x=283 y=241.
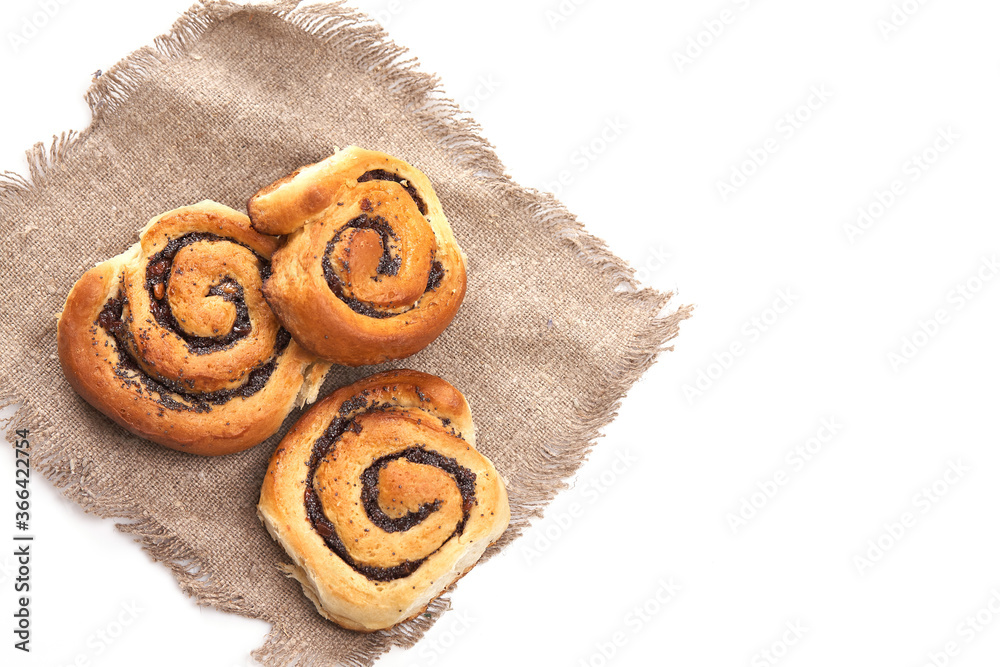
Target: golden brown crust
x=415 y=432
x=399 y=272
x=147 y=378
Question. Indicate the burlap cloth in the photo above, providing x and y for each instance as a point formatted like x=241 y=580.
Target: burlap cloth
x=552 y=333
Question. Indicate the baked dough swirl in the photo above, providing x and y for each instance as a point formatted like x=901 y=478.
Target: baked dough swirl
x=370 y=270
x=173 y=340
x=381 y=499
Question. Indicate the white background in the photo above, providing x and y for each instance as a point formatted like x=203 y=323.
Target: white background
x=568 y=591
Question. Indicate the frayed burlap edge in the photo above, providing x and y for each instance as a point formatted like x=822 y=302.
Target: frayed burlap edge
x=364 y=41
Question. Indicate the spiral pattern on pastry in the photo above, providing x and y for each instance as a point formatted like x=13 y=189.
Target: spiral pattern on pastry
x=370 y=270
x=381 y=499
x=173 y=339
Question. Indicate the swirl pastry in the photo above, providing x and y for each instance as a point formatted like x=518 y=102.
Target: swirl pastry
x=381 y=499
x=370 y=270
x=173 y=340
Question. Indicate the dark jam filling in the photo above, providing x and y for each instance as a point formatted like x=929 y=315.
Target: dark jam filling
x=388 y=265
x=383 y=175
x=134 y=377
x=435 y=276
x=464 y=478
x=158 y=276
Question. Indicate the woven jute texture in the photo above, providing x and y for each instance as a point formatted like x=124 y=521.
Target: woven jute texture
x=551 y=335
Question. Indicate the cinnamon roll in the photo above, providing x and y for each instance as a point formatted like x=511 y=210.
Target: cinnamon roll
x=173 y=340
x=370 y=270
x=381 y=499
